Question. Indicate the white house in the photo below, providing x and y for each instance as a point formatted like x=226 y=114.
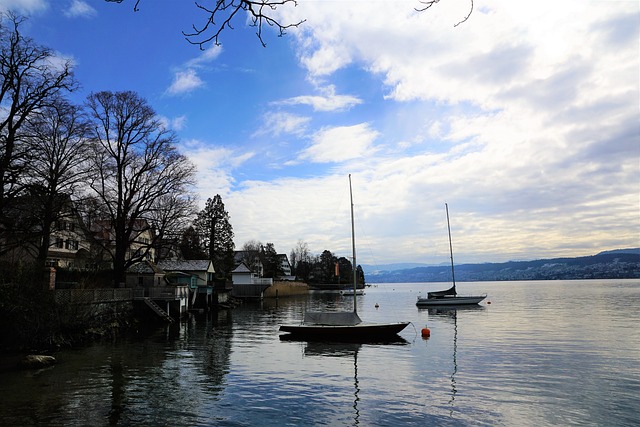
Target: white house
x=246 y=284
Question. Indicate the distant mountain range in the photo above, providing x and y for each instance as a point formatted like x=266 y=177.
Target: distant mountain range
x=614 y=264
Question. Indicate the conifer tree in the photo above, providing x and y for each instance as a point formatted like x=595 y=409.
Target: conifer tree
x=216 y=235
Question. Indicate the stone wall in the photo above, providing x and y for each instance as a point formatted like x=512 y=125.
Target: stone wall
x=286 y=289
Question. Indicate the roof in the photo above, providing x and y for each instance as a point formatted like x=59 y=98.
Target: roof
x=185 y=265
x=242 y=268
x=145 y=267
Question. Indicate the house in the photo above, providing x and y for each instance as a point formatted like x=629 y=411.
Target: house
x=69 y=245
x=251 y=260
x=151 y=287
x=246 y=284
x=200 y=276
x=202 y=269
x=286 y=267
x=145 y=275
x=140 y=245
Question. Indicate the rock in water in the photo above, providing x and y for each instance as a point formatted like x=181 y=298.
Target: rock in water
x=37 y=361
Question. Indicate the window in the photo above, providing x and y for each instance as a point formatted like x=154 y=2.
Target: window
x=59 y=243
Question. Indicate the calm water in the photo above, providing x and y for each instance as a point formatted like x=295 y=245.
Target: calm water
x=542 y=353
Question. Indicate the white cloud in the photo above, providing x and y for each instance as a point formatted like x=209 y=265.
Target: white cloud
x=327 y=101
x=23 y=6
x=185 y=82
x=79 y=8
x=338 y=144
x=214 y=166
x=277 y=123
x=208 y=55
x=529 y=117
x=176 y=123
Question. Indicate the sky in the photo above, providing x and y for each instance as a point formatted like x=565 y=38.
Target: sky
x=524 y=119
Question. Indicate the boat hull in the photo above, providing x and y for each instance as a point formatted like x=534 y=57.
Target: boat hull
x=450 y=301
x=362 y=331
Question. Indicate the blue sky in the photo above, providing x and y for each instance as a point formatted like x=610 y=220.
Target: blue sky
x=525 y=119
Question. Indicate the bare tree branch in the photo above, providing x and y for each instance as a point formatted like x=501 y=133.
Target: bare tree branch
x=135 y=6
x=223 y=12
x=468 y=15
x=428 y=3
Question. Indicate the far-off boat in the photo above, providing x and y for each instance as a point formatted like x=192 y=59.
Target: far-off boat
x=449 y=297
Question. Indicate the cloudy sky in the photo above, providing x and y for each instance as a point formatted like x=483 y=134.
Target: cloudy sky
x=525 y=119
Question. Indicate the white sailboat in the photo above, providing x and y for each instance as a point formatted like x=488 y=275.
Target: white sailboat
x=343 y=325
x=449 y=297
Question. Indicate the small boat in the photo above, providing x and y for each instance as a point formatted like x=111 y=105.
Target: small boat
x=344 y=326
x=350 y=292
x=449 y=297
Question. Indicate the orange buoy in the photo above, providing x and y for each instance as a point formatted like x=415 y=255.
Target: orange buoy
x=426 y=332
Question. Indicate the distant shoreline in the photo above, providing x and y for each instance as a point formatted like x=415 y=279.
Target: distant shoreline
x=618 y=264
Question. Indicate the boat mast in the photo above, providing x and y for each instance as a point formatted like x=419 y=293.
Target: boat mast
x=353 y=247
x=453 y=276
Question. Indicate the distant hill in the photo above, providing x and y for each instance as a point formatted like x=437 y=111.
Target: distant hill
x=615 y=264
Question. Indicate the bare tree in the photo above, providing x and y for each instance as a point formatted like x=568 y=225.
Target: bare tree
x=30 y=78
x=139 y=177
x=57 y=139
x=300 y=253
x=251 y=255
x=222 y=13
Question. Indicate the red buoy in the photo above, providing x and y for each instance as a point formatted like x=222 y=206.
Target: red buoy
x=426 y=332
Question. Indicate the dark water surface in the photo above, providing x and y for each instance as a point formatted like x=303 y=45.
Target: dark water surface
x=542 y=353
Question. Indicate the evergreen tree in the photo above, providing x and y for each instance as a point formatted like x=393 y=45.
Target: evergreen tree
x=190 y=246
x=216 y=235
x=325 y=267
x=271 y=262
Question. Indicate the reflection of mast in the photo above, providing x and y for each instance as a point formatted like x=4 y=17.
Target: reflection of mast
x=356 y=418
x=455 y=361
x=326 y=349
x=453 y=314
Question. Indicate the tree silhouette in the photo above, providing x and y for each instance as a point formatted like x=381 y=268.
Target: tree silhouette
x=141 y=181
x=29 y=82
x=216 y=234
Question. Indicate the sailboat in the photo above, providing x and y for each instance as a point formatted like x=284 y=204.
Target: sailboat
x=449 y=297
x=340 y=326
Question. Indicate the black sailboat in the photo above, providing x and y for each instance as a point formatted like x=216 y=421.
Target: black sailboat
x=449 y=297
x=341 y=326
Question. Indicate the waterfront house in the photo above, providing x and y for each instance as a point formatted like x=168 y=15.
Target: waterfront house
x=247 y=284
x=200 y=274
x=150 y=286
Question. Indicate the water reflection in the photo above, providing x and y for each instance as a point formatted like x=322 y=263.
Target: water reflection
x=534 y=357
x=347 y=350
x=449 y=314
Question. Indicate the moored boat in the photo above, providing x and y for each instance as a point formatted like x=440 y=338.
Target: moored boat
x=341 y=326
x=449 y=297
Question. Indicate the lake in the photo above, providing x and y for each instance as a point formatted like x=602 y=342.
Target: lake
x=541 y=353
